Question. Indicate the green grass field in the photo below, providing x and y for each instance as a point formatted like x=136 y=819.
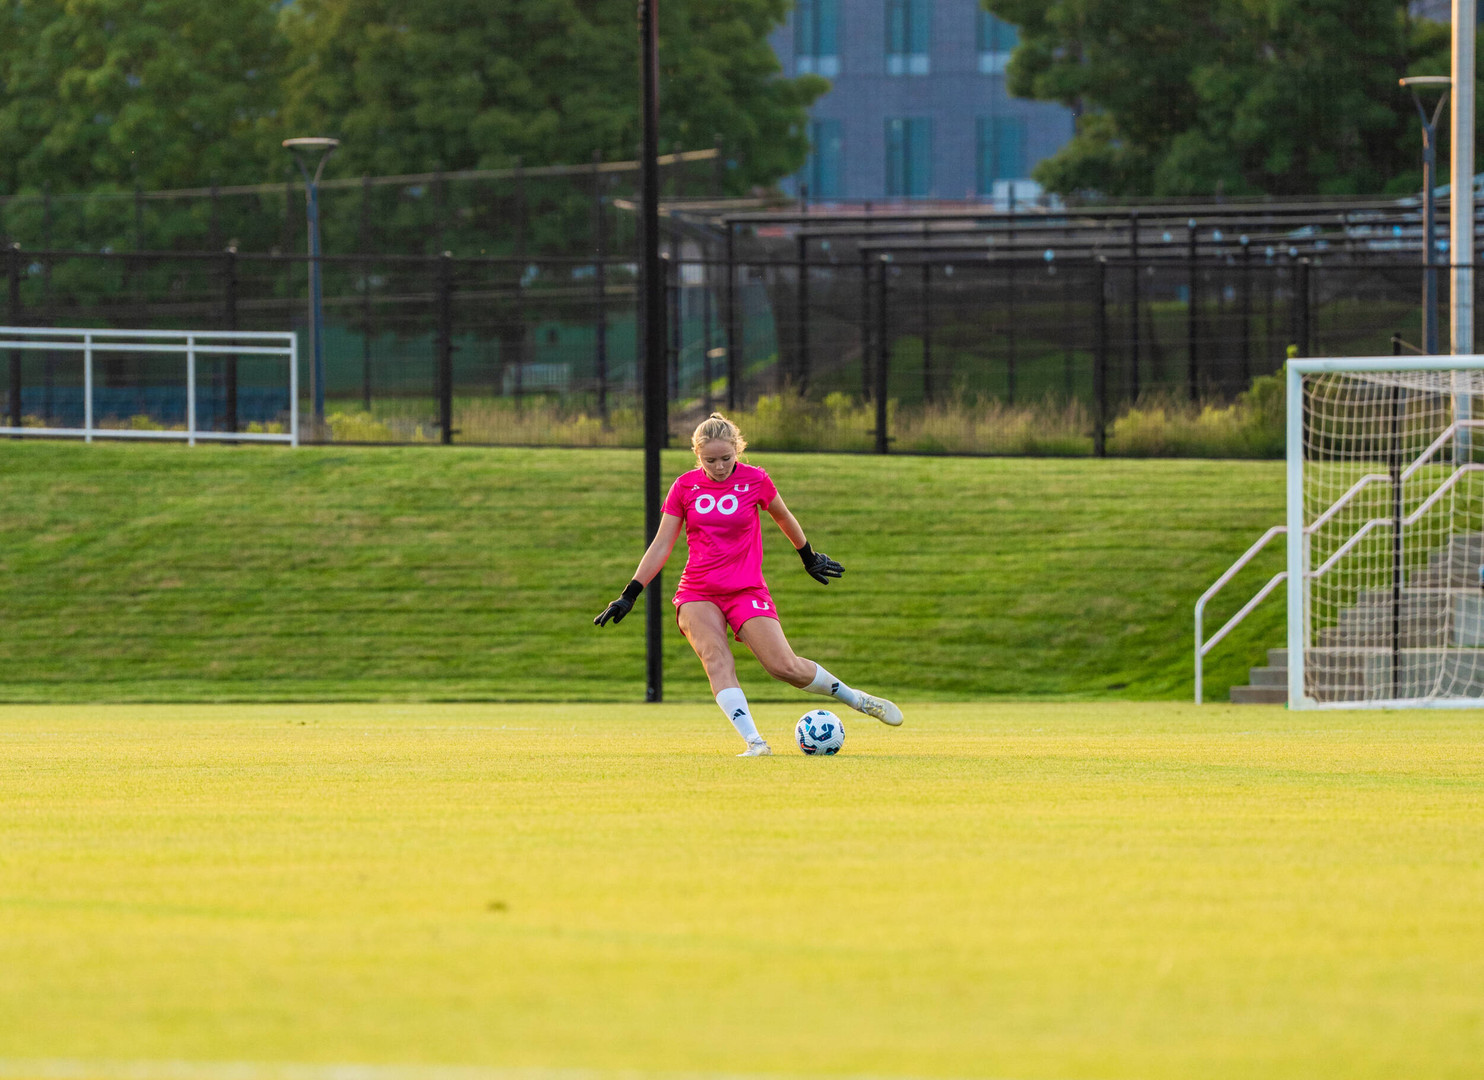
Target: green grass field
x=154 y=573
x=1066 y=891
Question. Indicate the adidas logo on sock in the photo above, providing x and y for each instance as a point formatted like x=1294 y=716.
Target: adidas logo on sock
x=739 y=712
x=834 y=689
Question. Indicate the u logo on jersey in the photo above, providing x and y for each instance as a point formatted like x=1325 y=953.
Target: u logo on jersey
x=727 y=504
x=741 y=487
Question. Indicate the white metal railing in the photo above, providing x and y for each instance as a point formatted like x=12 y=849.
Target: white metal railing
x=188 y=343
x=1202 y=647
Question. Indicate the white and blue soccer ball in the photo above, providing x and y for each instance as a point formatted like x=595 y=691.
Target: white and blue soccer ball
x=819 y=731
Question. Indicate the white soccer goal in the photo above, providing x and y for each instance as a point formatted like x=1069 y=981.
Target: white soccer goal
x=1385 y=532
x=72 y=390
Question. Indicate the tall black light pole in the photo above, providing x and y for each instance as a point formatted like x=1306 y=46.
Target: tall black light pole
x=1429 y=212
x=652 y=328
x=304 y=150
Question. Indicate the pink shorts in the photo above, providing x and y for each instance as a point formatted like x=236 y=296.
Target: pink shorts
x=736 y=607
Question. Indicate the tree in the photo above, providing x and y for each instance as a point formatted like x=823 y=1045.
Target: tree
x=114 y=93
x=463 y=84
x=1282 y=97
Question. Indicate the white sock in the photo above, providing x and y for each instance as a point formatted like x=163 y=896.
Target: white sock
x=733 y=703
x=826 y=684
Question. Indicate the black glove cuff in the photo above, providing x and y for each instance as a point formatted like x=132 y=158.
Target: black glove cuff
x=632 y=590
x=806 y=553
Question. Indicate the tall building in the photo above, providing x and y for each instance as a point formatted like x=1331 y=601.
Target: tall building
x=918 y=108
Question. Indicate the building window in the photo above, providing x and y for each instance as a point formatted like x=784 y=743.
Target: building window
x=817 y=37
x=997 y=40
x=1001 y=151
x=909 y=158
x=824 y=170
x=908 y=29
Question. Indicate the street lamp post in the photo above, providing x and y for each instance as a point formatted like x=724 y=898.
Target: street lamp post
x=1429 y=211
x=305 y=151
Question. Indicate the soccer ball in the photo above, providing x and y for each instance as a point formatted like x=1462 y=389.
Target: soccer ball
x=819 y=731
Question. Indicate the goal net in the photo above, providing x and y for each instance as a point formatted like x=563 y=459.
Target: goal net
x=1386 y=531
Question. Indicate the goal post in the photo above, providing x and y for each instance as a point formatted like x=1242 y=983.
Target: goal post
x=1385 y=532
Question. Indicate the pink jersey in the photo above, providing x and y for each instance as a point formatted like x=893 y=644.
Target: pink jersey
x=722 y=528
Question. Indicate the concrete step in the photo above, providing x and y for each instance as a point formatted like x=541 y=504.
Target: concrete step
x=1259 y=695
x=1278 y=658
x=1269 y=676
x=1442 y=576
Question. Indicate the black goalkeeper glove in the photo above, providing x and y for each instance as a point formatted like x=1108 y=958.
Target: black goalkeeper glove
x=620 y=607
x=820 y=566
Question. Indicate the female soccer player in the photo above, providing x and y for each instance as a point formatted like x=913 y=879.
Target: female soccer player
x=722 y=584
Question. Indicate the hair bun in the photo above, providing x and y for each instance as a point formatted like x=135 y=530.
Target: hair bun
x=717 y=426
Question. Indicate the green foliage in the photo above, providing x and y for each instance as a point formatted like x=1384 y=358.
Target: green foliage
x=102 y=94
x=480 y=84
x=474 y=84
x=1281 y=97
x=1157 y=426
x=1251 y=427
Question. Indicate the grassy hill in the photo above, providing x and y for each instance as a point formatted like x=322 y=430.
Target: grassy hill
x=217 y=573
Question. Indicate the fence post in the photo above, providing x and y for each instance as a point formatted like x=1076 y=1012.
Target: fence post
x=1246 y=312
x=520 y=207
x=1305 y=316
x=600 y=282
x=1100 y=363
x=445 y=346
x=673 y=300
x=671 y=288
x=882 y=355
x=13 y=272
x=927 y=315
x=287 y=243
x=672 y=274
x=866 y=340
x=927 y=329
x=440 y=207
x=706 y=374
x=1192 y=285
x=1134 y=303
x=802 y=360
x=366 y=246
x=1069 y=375
x=229 y=318
x=734 y=337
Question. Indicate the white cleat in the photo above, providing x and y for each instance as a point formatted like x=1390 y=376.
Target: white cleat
x=881 y=709
x=760 y=749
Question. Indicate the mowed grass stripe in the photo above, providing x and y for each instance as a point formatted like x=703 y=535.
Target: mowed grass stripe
x=73 y=1069
x=1036 y=891
x=162 y=572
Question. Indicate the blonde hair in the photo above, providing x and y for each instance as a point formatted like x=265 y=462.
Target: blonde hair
x=716 y=427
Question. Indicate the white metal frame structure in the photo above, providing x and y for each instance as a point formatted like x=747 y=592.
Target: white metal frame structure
x=1301 y=576
x=187 y=343
x=1203 y=646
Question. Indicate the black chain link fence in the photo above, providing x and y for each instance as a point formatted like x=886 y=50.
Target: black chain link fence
x=848 y=348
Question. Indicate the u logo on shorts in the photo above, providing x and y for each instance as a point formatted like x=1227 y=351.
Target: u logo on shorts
x=761 y=605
